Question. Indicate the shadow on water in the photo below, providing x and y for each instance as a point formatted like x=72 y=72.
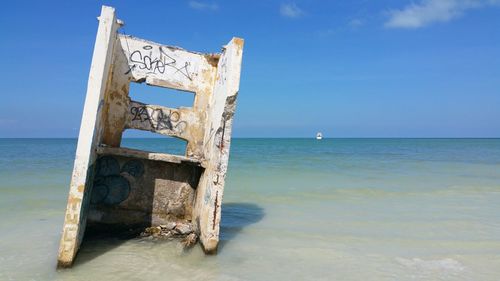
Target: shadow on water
x=235 y=217
x=98 y=241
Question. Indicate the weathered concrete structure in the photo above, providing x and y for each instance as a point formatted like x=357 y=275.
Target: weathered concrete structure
x=112 y=185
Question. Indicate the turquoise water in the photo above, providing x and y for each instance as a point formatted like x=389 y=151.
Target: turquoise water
x=294 y=209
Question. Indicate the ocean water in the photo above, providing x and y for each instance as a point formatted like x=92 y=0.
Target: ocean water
x=293 y=209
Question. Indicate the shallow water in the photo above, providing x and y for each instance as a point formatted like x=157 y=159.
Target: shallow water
x=294 y=209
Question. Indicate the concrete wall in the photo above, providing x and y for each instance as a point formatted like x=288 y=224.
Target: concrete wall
x=127 y=187
x=129 y=191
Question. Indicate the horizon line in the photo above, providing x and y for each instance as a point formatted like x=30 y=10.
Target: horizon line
x=172 y=138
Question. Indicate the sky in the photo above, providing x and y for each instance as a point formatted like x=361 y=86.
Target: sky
x=358 y=68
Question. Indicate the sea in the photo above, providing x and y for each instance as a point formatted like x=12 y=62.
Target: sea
x=293 y=209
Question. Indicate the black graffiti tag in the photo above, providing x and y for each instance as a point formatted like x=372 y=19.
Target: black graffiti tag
x=140 y=113
x=156 y=64
x=159 y=119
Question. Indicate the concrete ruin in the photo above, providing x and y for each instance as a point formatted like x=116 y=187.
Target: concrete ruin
x=116 y=186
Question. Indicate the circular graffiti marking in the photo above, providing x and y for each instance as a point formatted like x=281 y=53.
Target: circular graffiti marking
x=134 y=168
x=147 y=47
x=106 y=166
x=99 y=191
x=118 y=189
x=174 y=116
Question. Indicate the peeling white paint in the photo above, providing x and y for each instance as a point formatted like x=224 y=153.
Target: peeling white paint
x=89 y=137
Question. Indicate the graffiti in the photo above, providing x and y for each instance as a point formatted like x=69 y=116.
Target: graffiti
x=159 y=119
x=134 y=168
x=157 y=63
x=112 y=188
x=140 y=113
x=106 y=166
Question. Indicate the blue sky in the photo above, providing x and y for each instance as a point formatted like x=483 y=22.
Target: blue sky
x=421 y=68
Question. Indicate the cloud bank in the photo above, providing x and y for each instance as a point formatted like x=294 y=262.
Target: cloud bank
x=197 y=5
x=432 y=11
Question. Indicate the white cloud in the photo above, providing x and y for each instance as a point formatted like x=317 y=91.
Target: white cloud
x=355 y=23
x=432 y=11
x=197 y=5
x=291 y=10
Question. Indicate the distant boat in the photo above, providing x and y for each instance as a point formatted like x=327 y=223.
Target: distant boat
x=319 y=136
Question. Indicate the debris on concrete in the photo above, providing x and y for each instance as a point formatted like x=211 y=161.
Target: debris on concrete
x=172 y=231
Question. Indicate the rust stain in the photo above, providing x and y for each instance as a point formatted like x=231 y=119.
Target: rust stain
x=72 y=213
x=115 y=111
x=239 y=42
x=221 y=146
x=73 y=201
x=212 y=59
x=215 y=209
x=81 y=188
